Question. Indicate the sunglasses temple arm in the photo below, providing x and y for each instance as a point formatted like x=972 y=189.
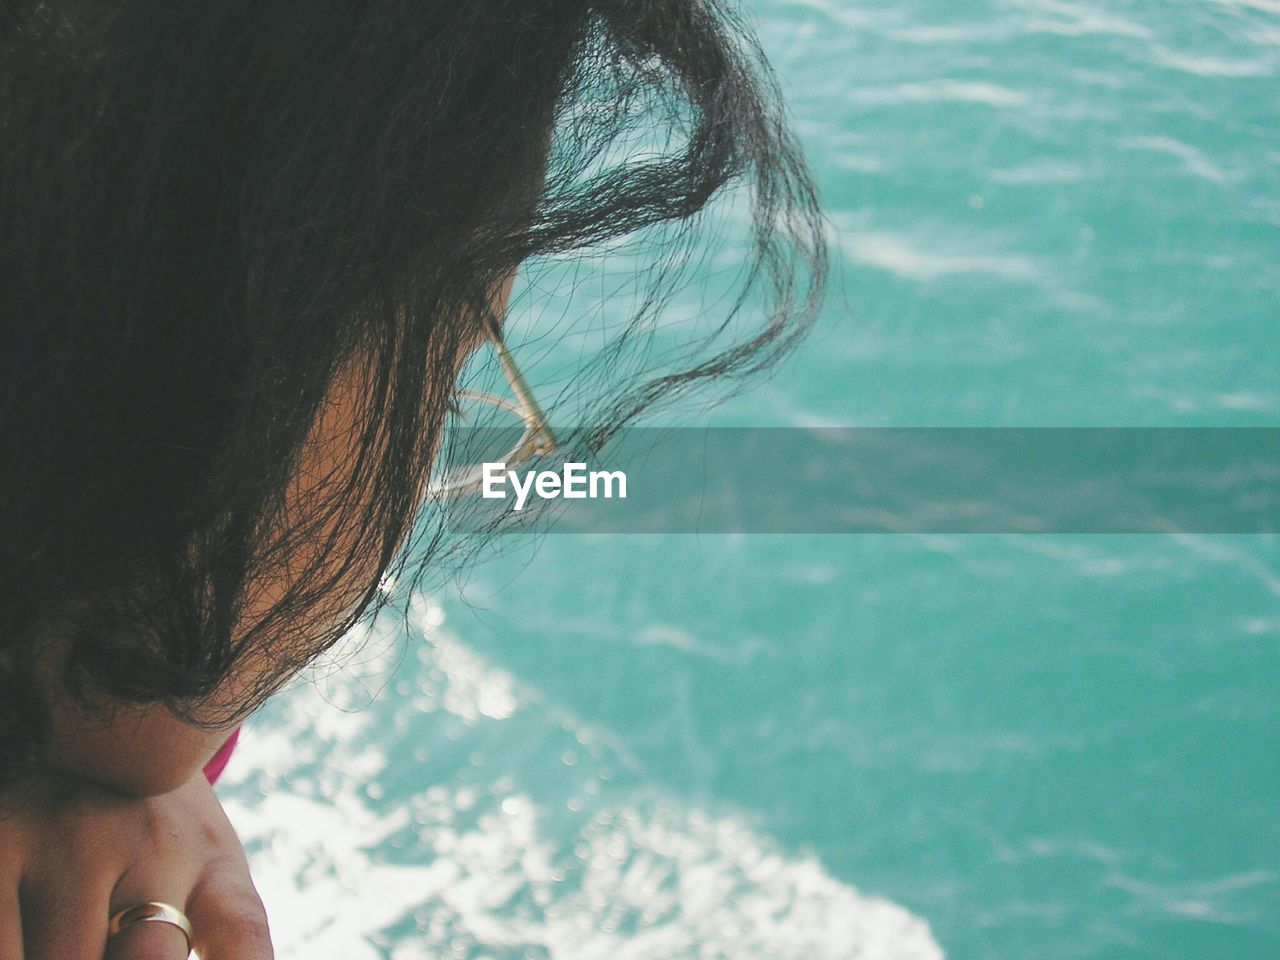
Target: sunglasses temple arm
x=536 y=417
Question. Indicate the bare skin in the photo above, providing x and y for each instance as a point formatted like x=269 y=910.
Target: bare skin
x=126 y=815
x=75 y=853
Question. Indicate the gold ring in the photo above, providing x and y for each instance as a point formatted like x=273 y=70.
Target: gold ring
x=151 y=911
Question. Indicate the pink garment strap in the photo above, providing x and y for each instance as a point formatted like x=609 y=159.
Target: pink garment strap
x=213 y=769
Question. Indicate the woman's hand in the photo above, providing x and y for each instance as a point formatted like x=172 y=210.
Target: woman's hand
x=72 y=854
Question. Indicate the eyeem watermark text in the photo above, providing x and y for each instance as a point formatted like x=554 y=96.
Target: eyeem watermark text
x=573 y=482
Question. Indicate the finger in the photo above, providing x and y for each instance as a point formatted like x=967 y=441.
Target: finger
x=10 y=926
x=149 y=940
x=228 y=917
x=64 y=924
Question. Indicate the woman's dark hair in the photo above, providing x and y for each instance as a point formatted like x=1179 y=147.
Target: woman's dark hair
x=209 y=211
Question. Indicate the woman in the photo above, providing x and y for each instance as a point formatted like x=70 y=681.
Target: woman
x=247 y=248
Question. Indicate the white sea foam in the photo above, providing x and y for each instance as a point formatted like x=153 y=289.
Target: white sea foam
x=1194 y=161
x=1266 y=6
x=1203 y=66
x=905 y=257
x=947 y=33
x=491 y=866
x=647 y=880
x=1047 y=171
x=850 y=15
x=942 y=91
x=1078 y=19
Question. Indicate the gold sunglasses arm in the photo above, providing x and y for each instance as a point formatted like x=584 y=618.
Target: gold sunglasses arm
x=544 y=441
x=537 y=439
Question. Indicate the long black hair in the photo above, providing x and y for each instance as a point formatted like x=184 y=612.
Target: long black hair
x=210 y=210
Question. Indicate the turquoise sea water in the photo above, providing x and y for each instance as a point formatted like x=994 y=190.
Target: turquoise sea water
x=1045 y=213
